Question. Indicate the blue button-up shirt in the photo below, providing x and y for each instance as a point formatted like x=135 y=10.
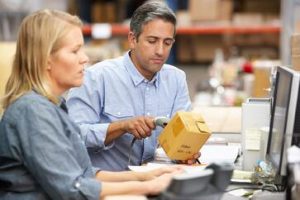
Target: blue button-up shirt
x=114 y=90
x=42 y=155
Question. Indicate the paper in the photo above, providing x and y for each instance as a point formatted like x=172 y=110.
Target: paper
x=151 y=166
x=209 y=154
x=252 y=139
x=219 y=154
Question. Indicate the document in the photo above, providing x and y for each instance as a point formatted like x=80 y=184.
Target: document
x=152 y=165
x=219 y=154
x=209 y=154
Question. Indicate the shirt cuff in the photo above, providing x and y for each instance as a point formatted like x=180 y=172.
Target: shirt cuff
x=95 y=170
x=90 y=188
x=94 y=135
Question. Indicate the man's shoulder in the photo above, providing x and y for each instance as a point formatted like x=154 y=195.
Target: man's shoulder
x=167 y=68
x=106 y=65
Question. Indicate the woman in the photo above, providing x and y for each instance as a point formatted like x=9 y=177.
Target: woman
x=41 y=153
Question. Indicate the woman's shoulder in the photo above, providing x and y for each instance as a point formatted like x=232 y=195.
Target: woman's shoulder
x=29 y=103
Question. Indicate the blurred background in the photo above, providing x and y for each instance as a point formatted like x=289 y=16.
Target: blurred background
x=227 y=48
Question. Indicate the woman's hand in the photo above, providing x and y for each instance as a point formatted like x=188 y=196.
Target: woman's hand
x=158 y=184
x=171 y=169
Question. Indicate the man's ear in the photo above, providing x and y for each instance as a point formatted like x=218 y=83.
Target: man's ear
x=131 y=40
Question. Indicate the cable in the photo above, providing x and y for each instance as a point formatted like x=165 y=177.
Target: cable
x=130 y=150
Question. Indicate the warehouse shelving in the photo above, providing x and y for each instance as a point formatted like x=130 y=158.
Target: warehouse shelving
x=119 y=29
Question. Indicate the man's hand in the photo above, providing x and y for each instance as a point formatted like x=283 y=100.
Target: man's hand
x=140 y=127
x=190 y=161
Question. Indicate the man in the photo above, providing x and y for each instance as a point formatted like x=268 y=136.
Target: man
x=121 y=97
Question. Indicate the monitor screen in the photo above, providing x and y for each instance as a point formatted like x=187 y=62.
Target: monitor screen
x=279 y=117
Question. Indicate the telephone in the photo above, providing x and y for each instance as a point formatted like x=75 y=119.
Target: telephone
x=208 y=184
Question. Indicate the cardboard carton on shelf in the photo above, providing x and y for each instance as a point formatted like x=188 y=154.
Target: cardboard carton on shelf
x=210 y=10
x=205 y=47
x=245 y=19
x=225 y=9
x=268 y=39
x=184 y=50
x=295 y=51
x=266 y=6
x=103 y=12
x=203 y=9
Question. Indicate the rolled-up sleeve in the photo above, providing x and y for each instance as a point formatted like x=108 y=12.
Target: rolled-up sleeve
x=84 y=105
x=55 y=157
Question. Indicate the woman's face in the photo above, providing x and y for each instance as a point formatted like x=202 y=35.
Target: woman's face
x=65 y=66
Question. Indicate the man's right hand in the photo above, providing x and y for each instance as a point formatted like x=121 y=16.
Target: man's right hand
x=141 y=127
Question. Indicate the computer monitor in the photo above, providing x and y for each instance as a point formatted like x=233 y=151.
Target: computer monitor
x=284 y=117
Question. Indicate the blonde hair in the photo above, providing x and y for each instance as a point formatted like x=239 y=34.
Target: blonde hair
x=40 y=35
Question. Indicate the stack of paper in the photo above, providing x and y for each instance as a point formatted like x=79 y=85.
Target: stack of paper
x=209 y=154
x=219 y=154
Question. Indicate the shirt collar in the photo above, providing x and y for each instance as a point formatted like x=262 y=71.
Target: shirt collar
x=62 y=104
x=135 y=75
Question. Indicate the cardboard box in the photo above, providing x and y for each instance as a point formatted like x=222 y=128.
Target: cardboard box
x=210 y=10
x=184 y=135
x=205 y=46
x=265 y=6
x=103 y=12
x=246 y=19
x=295 y=51
x=225 y=9
x=204 y=9
x=184 y=49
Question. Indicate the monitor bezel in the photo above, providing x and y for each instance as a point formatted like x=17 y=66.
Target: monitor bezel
x=289 y=119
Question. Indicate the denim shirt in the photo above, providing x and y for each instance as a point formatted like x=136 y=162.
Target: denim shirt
x=114 y=90
x=42 y=155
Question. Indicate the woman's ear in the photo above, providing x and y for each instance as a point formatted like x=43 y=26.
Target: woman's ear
x=49 y=63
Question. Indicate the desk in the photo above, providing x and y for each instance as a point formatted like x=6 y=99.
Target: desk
x=230 y=130
x=140 y=197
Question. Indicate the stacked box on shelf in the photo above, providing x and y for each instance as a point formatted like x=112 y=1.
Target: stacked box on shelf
x=198 y=48
x=103 y=12
x=210 y=10
x=295 y=50
x=262 y=6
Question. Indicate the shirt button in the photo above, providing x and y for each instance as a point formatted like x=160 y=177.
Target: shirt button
x=148 y=113
x=168 y=115
x=77 y=184
x=119 y=113
x=147 y=88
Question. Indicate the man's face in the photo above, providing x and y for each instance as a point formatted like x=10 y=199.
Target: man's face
x=151 y=49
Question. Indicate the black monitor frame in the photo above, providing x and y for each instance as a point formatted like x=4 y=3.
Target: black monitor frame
x=289 y=124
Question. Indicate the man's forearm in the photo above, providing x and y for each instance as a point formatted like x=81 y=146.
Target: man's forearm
x=114 y=130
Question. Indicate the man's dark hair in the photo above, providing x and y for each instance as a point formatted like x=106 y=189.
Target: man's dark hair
x=149 y=11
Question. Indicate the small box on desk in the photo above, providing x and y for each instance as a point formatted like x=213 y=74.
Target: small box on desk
x=184 y=135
